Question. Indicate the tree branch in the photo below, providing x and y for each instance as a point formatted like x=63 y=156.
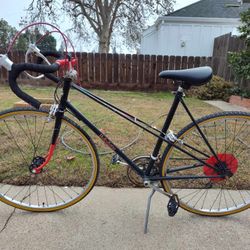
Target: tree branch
x=94 y=24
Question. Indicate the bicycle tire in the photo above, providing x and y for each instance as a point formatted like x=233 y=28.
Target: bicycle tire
x=215 y=196
x=65 y=180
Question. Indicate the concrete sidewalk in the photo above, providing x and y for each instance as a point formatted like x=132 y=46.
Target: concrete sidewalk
x=225 y=106
x=113 y=219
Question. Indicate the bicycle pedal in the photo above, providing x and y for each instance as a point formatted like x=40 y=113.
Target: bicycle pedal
x=173 y=205
x=114 y=160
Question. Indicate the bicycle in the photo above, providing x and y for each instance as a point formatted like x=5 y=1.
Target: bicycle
x=48 y=162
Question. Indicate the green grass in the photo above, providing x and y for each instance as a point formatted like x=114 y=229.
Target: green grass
x=146 y=106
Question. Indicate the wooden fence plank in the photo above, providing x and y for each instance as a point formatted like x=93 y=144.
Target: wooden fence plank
x=184 y=62
x=197 y=61
x=203 y=61
x=97 y=68
x=190 y=62
x=178 y=62
x=91 y=67
x=116 y=67
x=146 y=70
x=122 y=72
x=128 y=68
x=153 y=72
x=171 y=62
x=103 y=68
x=110 y=68
x=165 y=62
x=134 y=70
x=215 y=65
x=159 y=68
x=84 y=67
x=209 y=61
x=141 y=71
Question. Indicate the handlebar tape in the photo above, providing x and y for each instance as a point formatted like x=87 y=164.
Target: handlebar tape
x=54 y=54
x=16 y=69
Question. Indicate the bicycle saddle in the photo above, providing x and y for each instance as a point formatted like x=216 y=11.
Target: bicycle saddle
x=195 y=76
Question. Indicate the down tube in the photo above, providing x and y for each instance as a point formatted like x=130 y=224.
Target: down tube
x=104 y=138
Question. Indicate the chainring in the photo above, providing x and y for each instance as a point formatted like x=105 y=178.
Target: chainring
x=142 y=163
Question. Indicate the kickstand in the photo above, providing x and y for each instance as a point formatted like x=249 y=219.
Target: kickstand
x=147 y=211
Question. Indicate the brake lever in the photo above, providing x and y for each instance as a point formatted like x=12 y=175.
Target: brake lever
x=34 y=49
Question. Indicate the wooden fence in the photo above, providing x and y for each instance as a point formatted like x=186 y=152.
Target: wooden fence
x=223 y=45
x=132 y=71
x=120 y=71
x=140 y=72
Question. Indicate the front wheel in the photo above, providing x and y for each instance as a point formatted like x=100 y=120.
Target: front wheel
x=67 y=178
x=229 y=135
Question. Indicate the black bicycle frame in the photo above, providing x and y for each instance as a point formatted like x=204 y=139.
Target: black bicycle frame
x=160 y=134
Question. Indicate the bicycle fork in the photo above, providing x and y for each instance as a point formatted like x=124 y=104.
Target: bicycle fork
x=39 y=162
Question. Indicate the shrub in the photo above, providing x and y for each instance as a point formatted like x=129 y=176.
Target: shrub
x=240 y=92
x=240 y=60
x=217 y=88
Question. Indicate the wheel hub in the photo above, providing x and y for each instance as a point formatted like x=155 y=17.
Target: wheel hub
x=227 y=165
x=36 y=162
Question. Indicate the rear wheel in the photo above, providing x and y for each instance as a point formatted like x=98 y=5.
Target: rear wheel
x=65 y=180
x=229 y=135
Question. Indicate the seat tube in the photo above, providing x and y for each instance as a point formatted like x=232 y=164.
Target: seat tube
x=166 y=125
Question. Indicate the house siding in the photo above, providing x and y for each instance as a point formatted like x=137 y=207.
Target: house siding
x=185 y=38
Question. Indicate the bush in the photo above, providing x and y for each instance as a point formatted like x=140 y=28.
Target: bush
x=217 y=88
x=240 y=60
x=240 y=92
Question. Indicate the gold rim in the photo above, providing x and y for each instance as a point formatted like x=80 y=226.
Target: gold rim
x=90 y=185
x=167 y=187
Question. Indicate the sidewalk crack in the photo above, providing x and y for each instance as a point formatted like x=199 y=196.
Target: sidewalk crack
x=7 y=221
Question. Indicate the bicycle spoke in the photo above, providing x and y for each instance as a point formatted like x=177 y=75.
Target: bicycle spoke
x=197 y=144
x=225 y=199
x=196 y=193
x=23 y=130
x=232 y=198
x=56 y=194
x=215 y=135
x=215 y=200
x=204 y=199
x=14 y=197
x=183 y=197
x=38 y=200
x=20 y=151
x=63 y=189
x=39 y=139
x=199 y=198
x=8 y=190
x=225 y=122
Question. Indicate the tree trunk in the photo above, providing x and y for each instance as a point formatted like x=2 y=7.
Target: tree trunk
x=104 y=40
x=103 y=46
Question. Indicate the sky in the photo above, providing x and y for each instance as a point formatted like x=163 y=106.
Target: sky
x=13 y=10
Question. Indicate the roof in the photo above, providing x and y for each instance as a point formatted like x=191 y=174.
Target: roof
x=213 y=8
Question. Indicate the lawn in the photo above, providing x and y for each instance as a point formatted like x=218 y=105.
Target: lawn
x=147 y=106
